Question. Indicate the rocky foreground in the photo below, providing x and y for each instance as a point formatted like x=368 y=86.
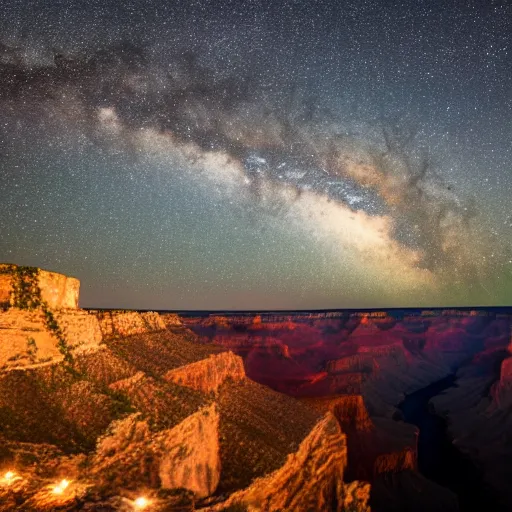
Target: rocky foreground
x=119 y=411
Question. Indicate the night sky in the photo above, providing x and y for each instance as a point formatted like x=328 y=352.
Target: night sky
x=259 y=154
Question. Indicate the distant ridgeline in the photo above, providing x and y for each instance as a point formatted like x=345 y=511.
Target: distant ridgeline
x=252 y=317
x=40 y=321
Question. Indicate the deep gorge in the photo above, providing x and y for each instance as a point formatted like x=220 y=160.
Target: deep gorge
x=439 y=459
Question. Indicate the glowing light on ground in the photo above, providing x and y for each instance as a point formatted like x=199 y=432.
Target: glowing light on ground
x=61 y=486
x=141 y=503
x=10 y=477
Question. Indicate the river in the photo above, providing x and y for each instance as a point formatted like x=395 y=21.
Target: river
x=438 y=459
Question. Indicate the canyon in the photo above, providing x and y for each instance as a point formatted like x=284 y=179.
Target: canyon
x=246 y=411
x=361 y=366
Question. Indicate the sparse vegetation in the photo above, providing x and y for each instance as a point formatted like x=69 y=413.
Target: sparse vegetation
x=121 y=404
x=32 y=349
x=26 y=294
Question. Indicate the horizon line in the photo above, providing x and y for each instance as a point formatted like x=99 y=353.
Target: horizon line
x=313 y=310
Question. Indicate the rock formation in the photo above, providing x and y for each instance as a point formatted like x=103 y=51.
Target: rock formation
x=186 y=456
x=127 y=323
x=374 y=446
x=379 y=358
x=209 y=374
x=36 y=336
x=57 y=290
x=124 y=402
x=311 y=479
x=40 y=321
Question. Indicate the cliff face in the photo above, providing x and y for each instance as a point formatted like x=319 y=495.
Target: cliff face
x=395 y=462
x=501 y=391
x=209 y=374
x=130 y=411
x=58 y=290
x=352 y=363
x=26 y=339
x=186 y=456
x=128 y=323
x=351 y=412
x=171 y=319
x=374 y=447
x=40 y=321
x=378 y=358
x=190 y=454
x=153 y=435
x=311 y=479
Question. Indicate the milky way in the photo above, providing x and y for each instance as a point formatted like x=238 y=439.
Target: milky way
x=214 y=155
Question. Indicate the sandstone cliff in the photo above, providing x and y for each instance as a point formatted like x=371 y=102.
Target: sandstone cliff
x=130 y=411
x=156 y=435
x=356 y=362
x=171 y=319
x=27 y=340
x=127 y=323
x=373 y=354
x=58 y=290
x=311 y=479
x=186 y=456
x=39 y=320
x=209 y=374
x=351 y=412
x=374 y=446
x=395 y=462
x=501 y=390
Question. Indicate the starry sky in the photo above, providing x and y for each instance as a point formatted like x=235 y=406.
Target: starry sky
x=260 y=154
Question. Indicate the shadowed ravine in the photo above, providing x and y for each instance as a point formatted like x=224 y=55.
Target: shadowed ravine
x=438 y=458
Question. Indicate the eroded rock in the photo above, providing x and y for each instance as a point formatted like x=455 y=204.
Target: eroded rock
x=209 y=374
x=186 y=456
x=311 y=478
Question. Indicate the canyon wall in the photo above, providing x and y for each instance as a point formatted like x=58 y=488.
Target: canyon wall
x=209 y=374
x=25 y=338
x=128 y=323
x=58 y=290
x=376 y=355
x=311 y=479
x=186 y=456
x=375 y=446
x=158 y=414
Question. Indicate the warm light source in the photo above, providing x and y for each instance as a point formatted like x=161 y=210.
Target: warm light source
x=10 y=477
x=141 y=503
x=61 y=486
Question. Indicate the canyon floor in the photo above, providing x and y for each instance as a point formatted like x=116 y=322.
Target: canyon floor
x=126 y=410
